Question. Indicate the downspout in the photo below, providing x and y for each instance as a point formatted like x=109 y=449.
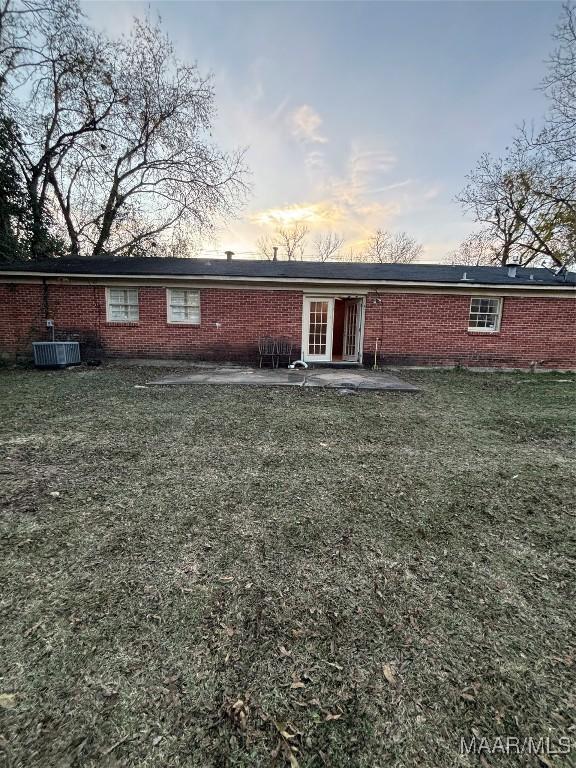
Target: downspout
x=378 y=300
x=45 y=298
x=45 y=303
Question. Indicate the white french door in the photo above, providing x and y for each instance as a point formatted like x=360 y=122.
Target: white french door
x=317 y=325
x=352 y=327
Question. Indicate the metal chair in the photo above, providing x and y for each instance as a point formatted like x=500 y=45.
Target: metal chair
x=284 y=349
x=267 y=348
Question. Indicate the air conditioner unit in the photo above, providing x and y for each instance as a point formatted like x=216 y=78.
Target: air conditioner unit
x=56 y=354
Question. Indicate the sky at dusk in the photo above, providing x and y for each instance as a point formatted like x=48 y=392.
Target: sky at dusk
x=359 y=115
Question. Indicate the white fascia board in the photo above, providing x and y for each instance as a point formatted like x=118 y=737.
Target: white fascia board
x=463 y=284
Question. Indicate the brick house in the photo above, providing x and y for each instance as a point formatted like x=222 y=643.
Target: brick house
x=332 y=312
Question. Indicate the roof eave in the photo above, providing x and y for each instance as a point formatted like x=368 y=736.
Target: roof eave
x=533 y=285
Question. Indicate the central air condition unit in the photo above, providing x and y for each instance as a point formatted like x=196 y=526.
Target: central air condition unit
x=56 y=354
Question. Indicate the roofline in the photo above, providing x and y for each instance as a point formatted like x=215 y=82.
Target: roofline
x=297 y=280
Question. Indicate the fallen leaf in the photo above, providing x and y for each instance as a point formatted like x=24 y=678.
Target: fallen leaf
x=389 y=674
x=239 y=712
x=284 y=652
x=297 y=684
x=7 y=700
x=330 y=716
x=467 y=697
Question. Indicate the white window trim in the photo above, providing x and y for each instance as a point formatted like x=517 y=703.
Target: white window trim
x=169 y=319
x=496 y=329
x=109 y=319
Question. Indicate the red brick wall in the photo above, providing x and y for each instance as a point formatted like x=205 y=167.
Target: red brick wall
x=80 y=312
x=432 y=329
x=412 y=329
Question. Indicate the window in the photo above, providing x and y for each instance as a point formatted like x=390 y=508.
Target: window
x=183 y=306
x=122 y=305
x=485 y=314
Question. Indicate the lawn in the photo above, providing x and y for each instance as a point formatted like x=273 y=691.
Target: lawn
x=227 y=576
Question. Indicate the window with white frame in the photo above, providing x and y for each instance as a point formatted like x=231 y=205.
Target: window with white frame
x=485 y=314
x=122 y=305
x=183 y=305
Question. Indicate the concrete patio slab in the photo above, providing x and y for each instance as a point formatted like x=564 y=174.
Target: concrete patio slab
x=353 y=379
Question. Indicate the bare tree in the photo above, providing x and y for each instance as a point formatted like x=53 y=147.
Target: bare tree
x=156 y=168
x=555 y=145
x=328 y=246
x=23 y=24
x=292 y=240
x=391 y=248
x=115 y=139
x=43 y=43
x=527 y=200
x=477 y=250
x=507 y=196
x=266 y=246
x=559 y=134
x=288 y=239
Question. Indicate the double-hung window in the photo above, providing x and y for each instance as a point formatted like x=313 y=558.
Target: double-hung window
x=122 y=305
x=485 y=314
x=183 y=306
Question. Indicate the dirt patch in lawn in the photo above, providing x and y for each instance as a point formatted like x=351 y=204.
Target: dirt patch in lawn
x=226 y=576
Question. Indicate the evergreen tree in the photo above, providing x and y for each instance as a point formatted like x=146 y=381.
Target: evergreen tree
x=13 y=225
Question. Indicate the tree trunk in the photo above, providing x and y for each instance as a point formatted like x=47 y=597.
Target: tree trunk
x=38 y=237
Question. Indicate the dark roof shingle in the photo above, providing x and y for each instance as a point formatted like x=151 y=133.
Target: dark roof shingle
x=303 y=270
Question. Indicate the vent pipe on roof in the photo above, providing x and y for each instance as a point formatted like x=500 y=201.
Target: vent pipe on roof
x=275 y=256
x=512 y=270
x=229 y=255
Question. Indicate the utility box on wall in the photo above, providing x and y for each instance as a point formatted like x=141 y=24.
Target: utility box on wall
x=56 y=354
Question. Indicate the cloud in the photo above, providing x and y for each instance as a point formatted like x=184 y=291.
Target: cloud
x=390 y=187
x=304 y=125
x=432 y=193
x=347 y=214
x=368 y=163
x=353 y=202
x=351 y=188
x=312 y=214
x=315 y=163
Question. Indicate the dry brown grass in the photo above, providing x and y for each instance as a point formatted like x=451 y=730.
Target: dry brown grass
x=229 y=576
